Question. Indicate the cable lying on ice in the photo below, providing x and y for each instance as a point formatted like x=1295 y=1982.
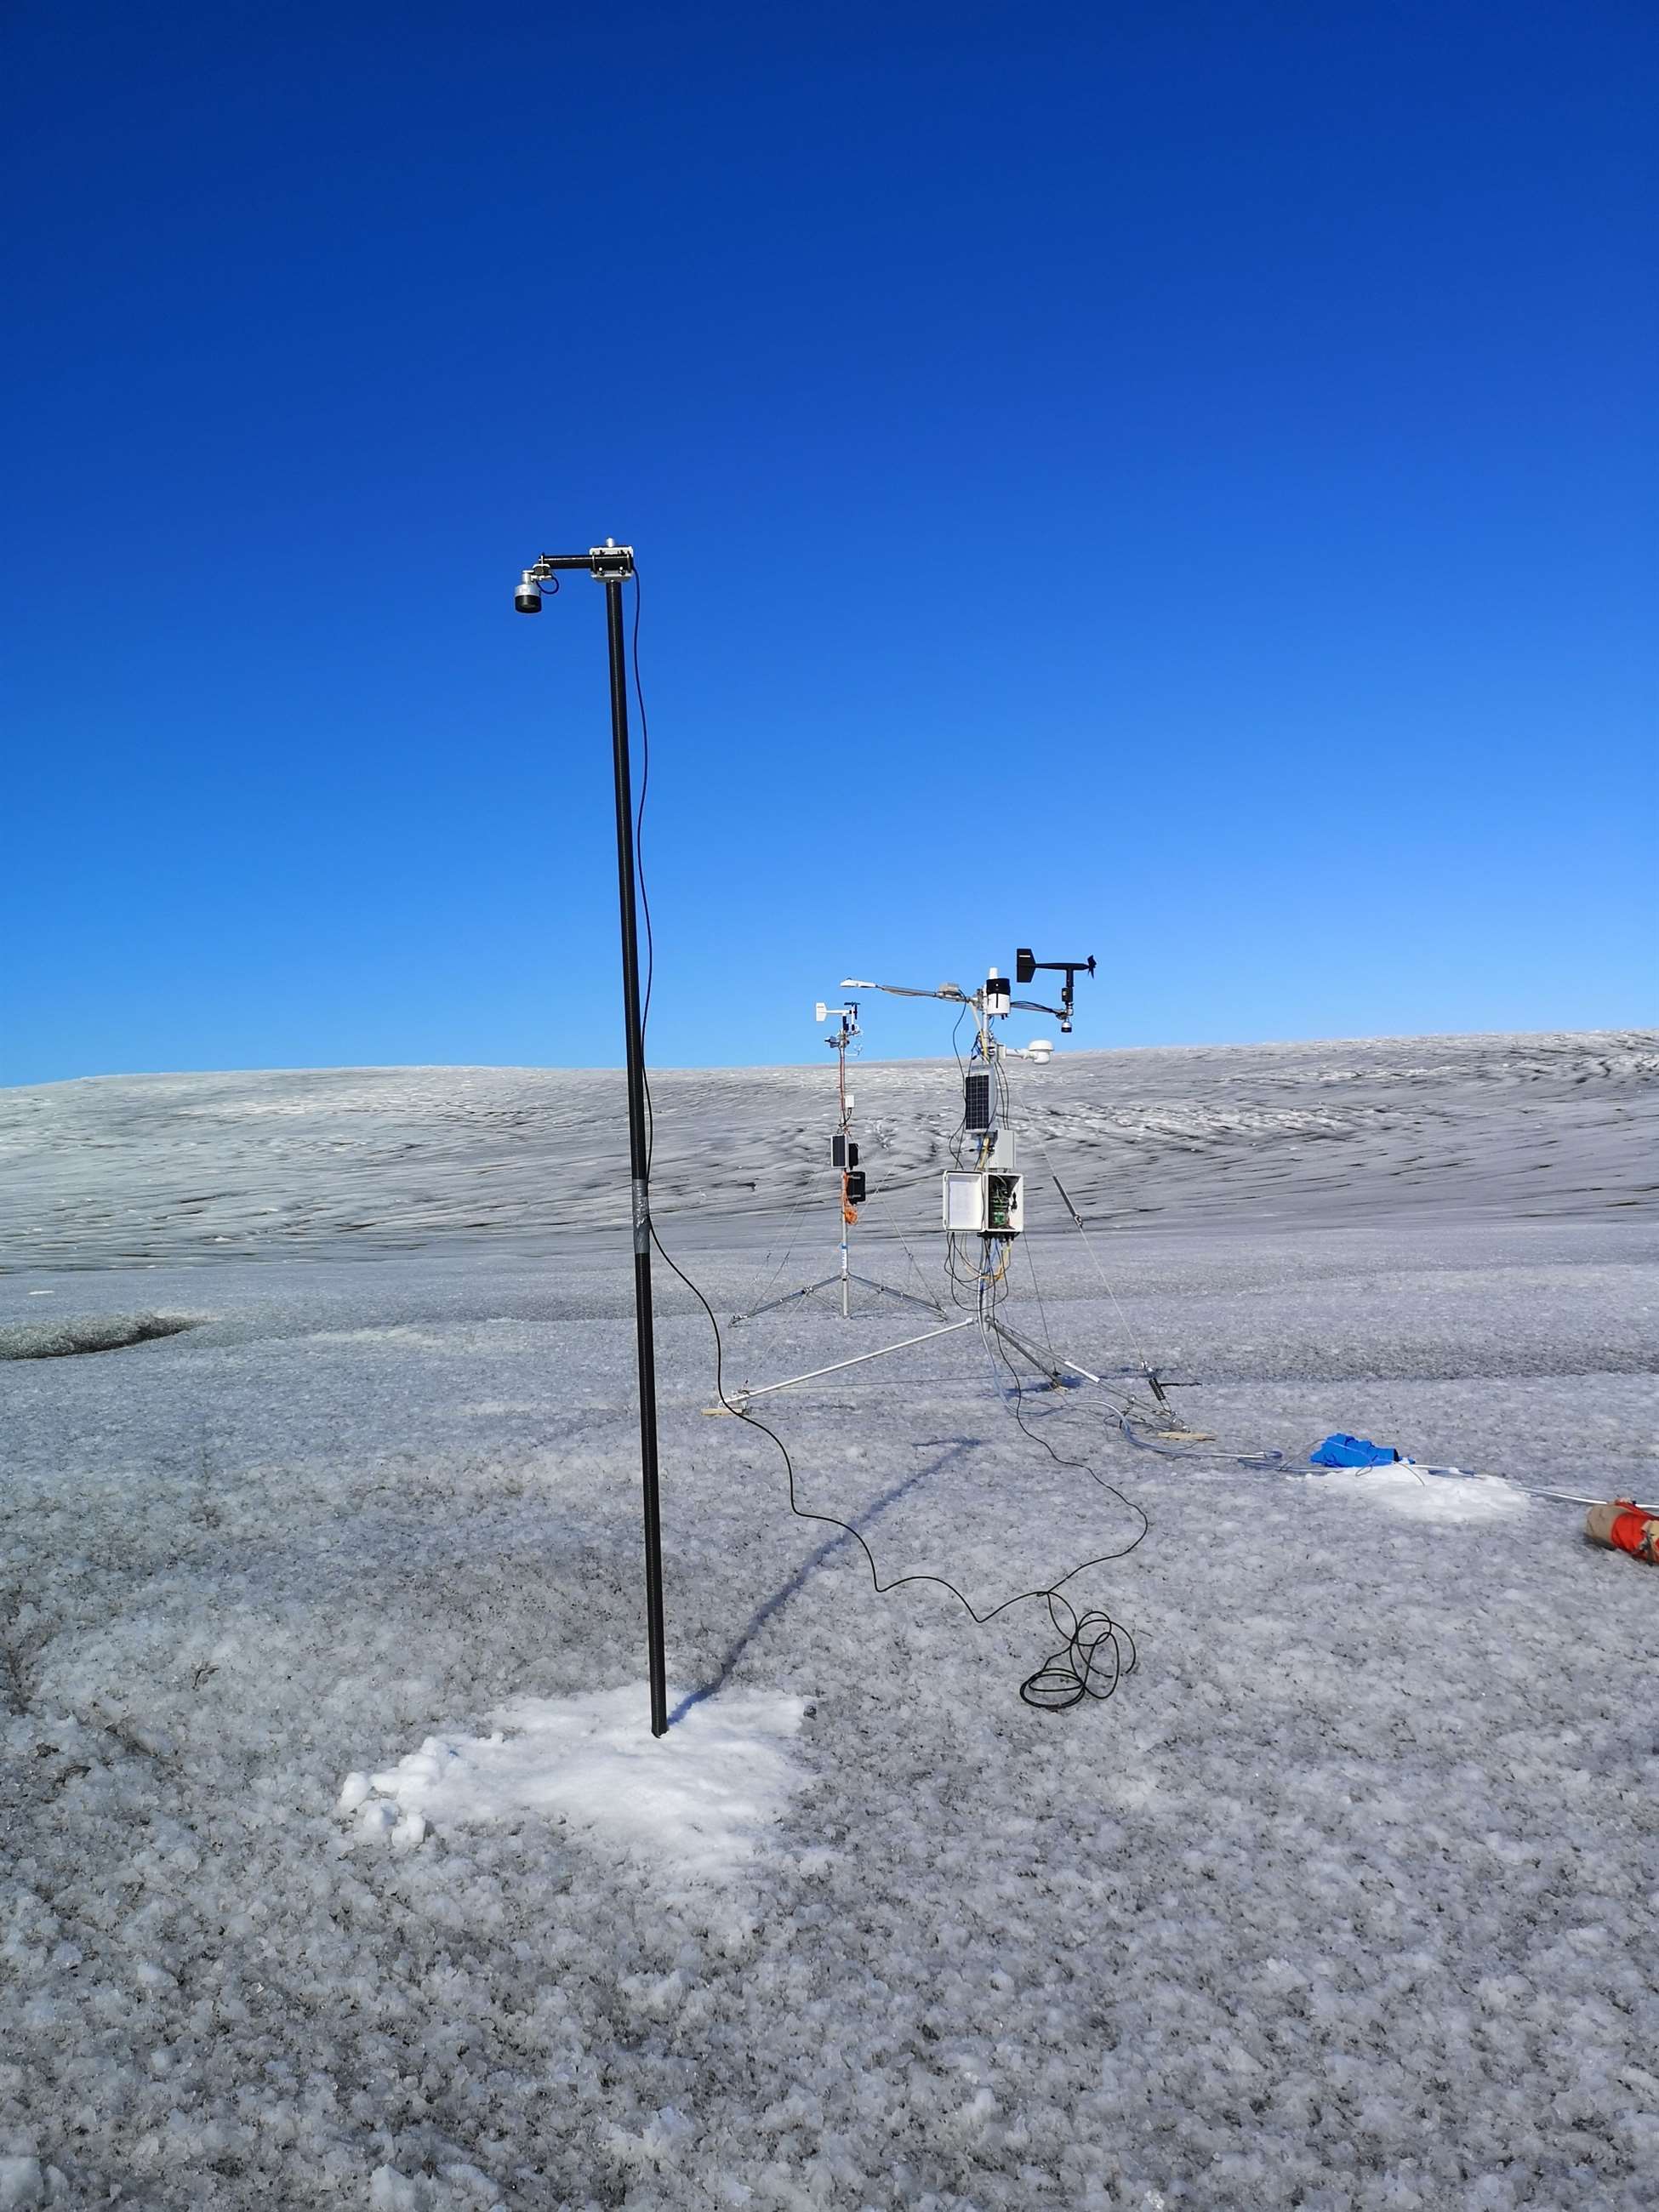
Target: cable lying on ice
x=1097 y=1651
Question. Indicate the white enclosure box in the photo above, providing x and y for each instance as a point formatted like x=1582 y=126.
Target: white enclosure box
x=964 y=1199
x=983 y=1202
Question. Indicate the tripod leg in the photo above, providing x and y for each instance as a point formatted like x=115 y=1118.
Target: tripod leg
x=929 y=1305
x=1043 y=1364
x=788 y=1298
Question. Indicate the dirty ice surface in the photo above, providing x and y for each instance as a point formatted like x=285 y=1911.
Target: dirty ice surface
x=320 y=1480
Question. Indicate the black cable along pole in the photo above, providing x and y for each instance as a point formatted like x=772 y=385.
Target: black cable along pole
x=639 y=1159
x=612 y=565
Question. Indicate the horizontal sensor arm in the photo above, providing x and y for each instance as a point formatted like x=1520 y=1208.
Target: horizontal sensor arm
x=905 y=990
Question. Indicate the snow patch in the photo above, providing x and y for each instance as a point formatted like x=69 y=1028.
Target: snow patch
x=694 y=1802
x=1448 y=1496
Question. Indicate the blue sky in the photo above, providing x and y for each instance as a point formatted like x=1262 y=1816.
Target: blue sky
x=1173 y=482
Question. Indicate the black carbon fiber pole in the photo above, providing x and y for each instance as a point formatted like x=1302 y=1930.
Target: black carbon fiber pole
x=639 y=1159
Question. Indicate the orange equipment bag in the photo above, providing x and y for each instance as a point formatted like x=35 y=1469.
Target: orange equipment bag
x=1623 y=1526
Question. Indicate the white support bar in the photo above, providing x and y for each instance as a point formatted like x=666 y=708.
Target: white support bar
x=927 y=1335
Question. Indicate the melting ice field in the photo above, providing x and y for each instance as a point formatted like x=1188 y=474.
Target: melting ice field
x=335 y=1864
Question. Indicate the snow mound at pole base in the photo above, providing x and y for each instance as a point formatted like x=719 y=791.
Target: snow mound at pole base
x=694 y=1803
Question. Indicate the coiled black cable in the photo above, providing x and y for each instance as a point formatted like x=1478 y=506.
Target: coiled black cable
x=1091 y=1661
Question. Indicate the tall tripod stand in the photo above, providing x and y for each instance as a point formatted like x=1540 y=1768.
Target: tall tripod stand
x=850 y=1180
x=983 y=1198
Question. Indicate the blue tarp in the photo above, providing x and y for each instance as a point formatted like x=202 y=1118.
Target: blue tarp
x=1341 y=1450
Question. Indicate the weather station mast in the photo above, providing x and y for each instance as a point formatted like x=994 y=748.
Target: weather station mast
x=612 y=565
